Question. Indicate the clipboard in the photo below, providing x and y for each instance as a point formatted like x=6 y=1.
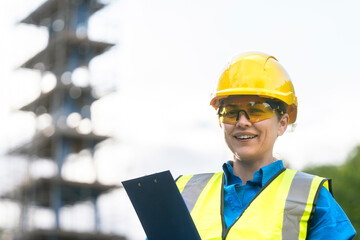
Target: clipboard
x=160 y=207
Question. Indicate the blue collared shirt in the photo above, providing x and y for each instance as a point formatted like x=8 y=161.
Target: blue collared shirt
x=329 y=220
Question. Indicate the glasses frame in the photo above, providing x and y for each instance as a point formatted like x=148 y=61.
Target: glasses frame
x=274 y=106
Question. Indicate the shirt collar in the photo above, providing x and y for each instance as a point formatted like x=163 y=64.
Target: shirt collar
x=260 y=177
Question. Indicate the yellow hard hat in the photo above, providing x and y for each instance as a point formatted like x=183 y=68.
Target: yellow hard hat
x=257 y=74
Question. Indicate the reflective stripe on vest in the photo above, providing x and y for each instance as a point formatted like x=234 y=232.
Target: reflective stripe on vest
x=281 y=209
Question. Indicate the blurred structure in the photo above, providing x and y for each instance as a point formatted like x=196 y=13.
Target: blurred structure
x=64 y=120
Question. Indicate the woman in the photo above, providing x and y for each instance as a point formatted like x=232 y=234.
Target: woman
x=255 y=197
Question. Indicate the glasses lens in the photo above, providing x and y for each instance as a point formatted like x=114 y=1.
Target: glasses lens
x=254 y=111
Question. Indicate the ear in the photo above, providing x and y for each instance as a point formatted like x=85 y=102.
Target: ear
x=283 y=123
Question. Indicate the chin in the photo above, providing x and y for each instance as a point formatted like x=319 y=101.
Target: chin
x=242 y=155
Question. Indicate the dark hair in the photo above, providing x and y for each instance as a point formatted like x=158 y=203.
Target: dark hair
x=279 y=106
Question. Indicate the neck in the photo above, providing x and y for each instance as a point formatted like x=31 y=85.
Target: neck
x=245 y=168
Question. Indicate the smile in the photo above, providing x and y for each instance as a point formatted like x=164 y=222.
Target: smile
x=244 y=137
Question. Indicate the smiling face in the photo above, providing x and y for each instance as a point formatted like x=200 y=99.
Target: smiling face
x=252 y=141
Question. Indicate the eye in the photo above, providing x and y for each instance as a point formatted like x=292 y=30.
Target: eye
x=231 y=113
x=226 y=112
x=255 y=110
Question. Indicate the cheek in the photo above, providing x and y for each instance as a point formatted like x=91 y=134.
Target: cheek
x=269 y=132
x=227 y=129
x=273 y=134
x=226 y=135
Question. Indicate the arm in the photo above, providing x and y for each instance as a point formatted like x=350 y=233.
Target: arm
x=329 y=220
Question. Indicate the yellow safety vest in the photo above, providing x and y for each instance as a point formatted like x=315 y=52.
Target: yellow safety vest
x=281 y=210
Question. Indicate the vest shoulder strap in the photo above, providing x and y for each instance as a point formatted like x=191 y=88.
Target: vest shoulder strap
x=300 y=203
x=191 y=186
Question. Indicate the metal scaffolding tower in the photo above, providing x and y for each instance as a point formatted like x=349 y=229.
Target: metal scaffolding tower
x=68 y=49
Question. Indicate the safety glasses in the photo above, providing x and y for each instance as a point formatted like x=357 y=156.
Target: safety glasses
x=254 y=111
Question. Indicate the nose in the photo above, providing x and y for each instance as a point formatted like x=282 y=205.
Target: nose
x=243 y=120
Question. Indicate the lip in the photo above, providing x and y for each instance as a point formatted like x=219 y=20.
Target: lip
x=244 y=133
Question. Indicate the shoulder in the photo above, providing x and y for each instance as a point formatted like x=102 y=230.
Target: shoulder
x=328 y=221
x=301 y=174
x=316 y=182
x=195 y=179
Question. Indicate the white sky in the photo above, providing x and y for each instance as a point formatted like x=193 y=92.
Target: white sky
x=167 y=58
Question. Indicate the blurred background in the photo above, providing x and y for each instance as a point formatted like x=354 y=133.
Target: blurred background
x=95 y=92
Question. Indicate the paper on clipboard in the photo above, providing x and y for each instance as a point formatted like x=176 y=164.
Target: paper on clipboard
x=160 y=207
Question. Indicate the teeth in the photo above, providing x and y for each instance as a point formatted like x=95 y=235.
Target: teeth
x=245 y=137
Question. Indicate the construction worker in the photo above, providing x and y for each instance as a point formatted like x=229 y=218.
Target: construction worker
x=255 y=197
